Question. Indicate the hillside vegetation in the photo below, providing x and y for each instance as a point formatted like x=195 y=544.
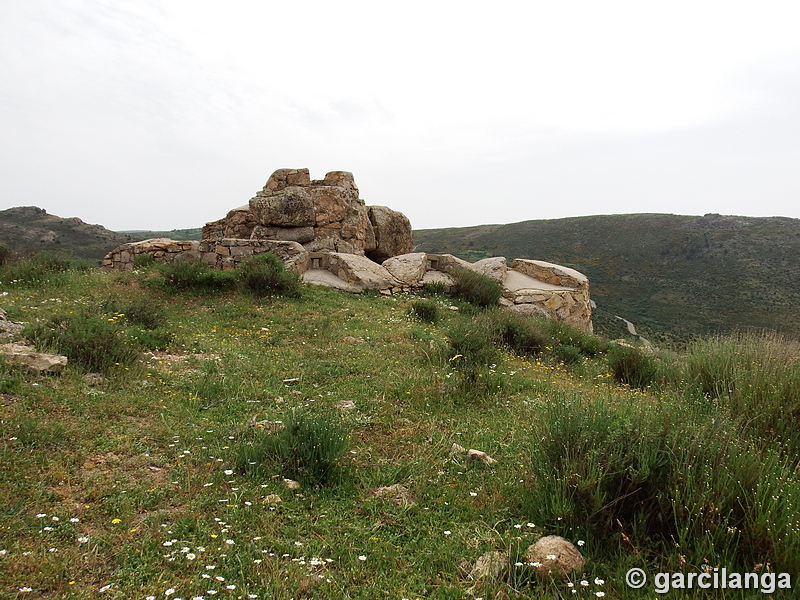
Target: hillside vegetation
x=672 y=276
x=155 y=465
x=194 y=233
x=27 y=230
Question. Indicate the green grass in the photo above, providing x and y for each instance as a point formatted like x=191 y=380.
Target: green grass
x=150 y=472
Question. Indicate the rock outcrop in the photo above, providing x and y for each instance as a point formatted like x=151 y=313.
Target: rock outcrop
x=323 y=231
x=322 y=215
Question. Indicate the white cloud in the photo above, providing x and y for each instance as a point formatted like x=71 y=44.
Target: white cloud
x=167 y=114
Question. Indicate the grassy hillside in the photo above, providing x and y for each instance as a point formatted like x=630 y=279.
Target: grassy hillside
x=28 y=229
x=163 y=475
x=673 y=276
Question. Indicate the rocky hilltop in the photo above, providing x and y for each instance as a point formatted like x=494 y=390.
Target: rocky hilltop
x=29 y=229
x=323 y=231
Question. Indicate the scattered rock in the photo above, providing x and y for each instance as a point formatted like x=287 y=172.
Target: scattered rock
x=489 y=567
x=554 y=555
x=8 y=329
x=93 y=379
x=480 y=456
x=345 y=405
x=291 y=484
x=19 y=355
x=396 y=493
x=457 y=449
x=309 y=583
x=272 y=499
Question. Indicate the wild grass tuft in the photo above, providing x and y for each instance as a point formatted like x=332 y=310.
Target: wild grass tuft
x=40 y=269
x=475 y=288
x=755 y=376
x=184 y=274
x=425 y=310
x=309 y=446
x=633 y=366
x=662 y=476
x=93 y=342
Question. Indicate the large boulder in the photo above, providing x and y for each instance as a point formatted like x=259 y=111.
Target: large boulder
x=408 y=269
x=361 y=272
x=494 y=268
x=392 y=233
x=289 y=207
x=238 y=223
x=323 y=215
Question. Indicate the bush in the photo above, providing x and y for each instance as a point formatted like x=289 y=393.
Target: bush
x=143 y=261
x=309 y=447
x=434 y=288
x=196 y=275
x=755 y=376
x=519 y=334
x=92 y=342
x=33 y=270
x=145 y=312
x=475 y=287
x=266 y=275
x=564 y=334
x=675 y=479
x=633 y=366
x=425 y=310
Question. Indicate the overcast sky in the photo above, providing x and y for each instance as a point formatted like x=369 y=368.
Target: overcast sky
x=140 y=114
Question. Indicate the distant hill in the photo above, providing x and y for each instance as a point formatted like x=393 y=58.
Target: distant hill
x=173 y=234
x=29 y=229
x=673 y=276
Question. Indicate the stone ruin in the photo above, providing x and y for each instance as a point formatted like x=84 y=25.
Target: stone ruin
x=321 y=230
x=323 y=215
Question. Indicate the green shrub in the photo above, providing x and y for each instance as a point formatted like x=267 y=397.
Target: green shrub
x=475 y=287
x=472 y=341
x=521 y=335
x=33 y=270
x=309 y=447
x=425 y=310
x=435 y=288
x=633 y=366
x=5 y=253
x=92 y=342
x=755 y=376
x=145 y=312
x=184 y=274
x=153 y=339
x=143 y=261
x=266 y=275
x=564 y=334
x=675 y=478
x=568 y=354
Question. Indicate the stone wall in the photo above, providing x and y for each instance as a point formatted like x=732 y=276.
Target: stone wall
x=222 y=254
